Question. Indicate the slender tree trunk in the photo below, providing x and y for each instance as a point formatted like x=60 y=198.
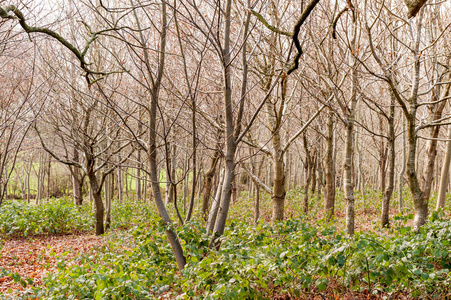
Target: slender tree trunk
x=403 y=169
x=28 y=185
x=307 y=171
x=421 y=209
x=194 y=157
x=152 y=148
x=313 y=165
x=444 y=179
x=382 y=158
x=96 y=193
x=76 y=180
x=169 y=187
x=185 y=182
x=431 y=155
x=126 y=182
x=391 y=166
x=234 y=190
x=120 y=184
x=40 y=191
x=361 y=174
x=215 y=205
x=278 y=190
x=319 y=169
x=229 y=132
x=145 y=184
x=172 y=191
x=257 y=204
x=154 y=179
x=348 y=187
x=108 y=198
x=208 y=183
x=329 y=198
x=49 y=167
x=436 y=114
x=138 y=177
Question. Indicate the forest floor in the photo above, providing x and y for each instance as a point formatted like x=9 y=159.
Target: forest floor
x=36 y=256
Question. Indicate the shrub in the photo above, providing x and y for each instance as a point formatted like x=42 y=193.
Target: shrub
x=17 y=218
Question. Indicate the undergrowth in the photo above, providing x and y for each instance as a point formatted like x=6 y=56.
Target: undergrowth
x=17 y=218
x=301 y=257
x=292 y=257
x=62 y=216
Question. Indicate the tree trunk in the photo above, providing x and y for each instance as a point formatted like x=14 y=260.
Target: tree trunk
x=28 y=186
x=120 y=184
x=444 y=179
x=307 y=171
x=185 y=182
x=169 y=186
x=108 y=198
x=391 y=166
x=403 y=170
x=229 y=132
x=257 y=204
x=154 y=171
x=313 y=165
x=215 y=205
x=138 y=177
x=278 y=190
x=421 y=209
x=319 y=169
x=436 y=114
x=96 y=193
x=348 y=187
x=78 y=200
x=49 y=167
x=41 y=173
x=155 y=182
x=329 y=198
x=208 y=183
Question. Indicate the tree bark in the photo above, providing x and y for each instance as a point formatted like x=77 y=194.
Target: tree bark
x=215 y=205
x=108 y=199
x=421 y=209
x=120 y=184
x=436 y=114
x=138 y=177
x=329 y=198
x=391 y=166
x=152 y=149
x=169 y=174
x=76 y=186
x=208 y=183
x=403 y=169
x=257 y=204
x=307 y=172
x=444 y=179
x=278 y=190
x=229 y=133
x=96 y=193
x=348 y=187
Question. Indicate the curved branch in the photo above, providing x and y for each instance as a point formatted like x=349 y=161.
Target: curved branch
x=334 y=24
x=4 y=14
x=267 y=25
x=297 y=28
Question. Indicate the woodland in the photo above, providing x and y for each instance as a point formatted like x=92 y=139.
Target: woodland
x=220 y=149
